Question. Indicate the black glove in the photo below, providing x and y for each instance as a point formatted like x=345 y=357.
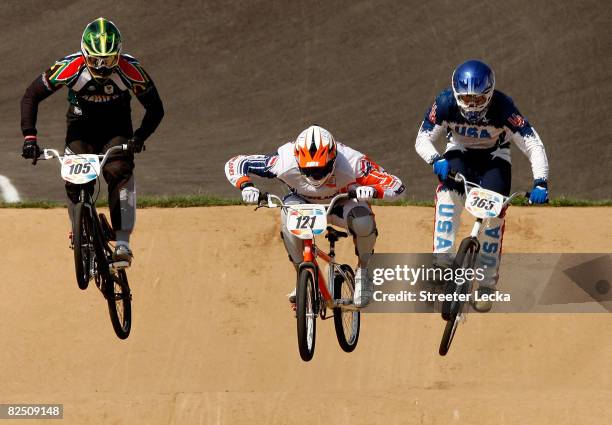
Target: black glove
x=136 y=144
x=30 y=148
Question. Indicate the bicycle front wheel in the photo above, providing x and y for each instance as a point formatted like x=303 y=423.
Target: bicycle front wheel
x=119 y=301
x=346 y=322
x=465 y=259
x=447 y=336
x=306 y=313
x=82 y=241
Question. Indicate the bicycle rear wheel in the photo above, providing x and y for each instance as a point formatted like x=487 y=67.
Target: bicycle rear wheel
x=346 y=322
x=82 y=238
x=306 y=313
x=119 y=301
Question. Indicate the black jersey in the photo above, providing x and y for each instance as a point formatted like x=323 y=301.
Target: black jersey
x=93 y=103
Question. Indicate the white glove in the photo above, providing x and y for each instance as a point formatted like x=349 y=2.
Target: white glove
x=365 y=193
x=250 y=195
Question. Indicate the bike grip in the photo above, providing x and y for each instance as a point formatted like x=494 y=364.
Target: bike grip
x=352 y=193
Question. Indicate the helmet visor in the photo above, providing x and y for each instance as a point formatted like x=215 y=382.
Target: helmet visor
x=473 y=100
x=98 y=62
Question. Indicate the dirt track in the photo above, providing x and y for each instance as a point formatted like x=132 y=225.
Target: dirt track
x=213 y=340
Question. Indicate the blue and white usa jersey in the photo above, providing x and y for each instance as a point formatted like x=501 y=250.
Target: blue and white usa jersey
x=502 y=124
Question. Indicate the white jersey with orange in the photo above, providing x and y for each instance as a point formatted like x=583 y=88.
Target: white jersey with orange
x=352 y=168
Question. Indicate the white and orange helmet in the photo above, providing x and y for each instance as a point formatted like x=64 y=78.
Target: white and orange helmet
x=315 y=153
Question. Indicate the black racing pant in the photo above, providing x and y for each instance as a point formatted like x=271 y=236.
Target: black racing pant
x=117 y=172
x=480 y=167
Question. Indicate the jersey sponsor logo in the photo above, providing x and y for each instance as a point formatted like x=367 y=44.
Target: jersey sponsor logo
x=46 y=82
x=331 y=182
x=108 y=89
x=432 y=113
x=472 y=132
x=365 y=166
x=516 y=120
x=99 y=98
x=272 y=160
x=230 y=166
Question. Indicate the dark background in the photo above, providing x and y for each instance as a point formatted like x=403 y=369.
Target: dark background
x=246 y=76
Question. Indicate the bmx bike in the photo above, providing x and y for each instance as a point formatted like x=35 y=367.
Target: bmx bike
x=314 y=293
x=92 y=236
x=483 y=204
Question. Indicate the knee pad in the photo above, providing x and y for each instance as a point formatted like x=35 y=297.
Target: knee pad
x=118 y=169
x=362 y=226
x=361 y=222
x=127 y=207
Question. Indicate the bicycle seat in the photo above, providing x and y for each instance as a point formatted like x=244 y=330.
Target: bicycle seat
x=333 y=234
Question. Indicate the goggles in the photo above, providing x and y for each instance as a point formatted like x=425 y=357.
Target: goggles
x=473 y=100
x=318 y=173
x=97 y=62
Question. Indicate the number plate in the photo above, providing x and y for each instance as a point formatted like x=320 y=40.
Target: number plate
x=484 y=203
x=306 y=220
x=80 y=169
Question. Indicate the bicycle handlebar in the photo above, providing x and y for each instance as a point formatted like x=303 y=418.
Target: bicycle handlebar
x=265 y=197
x=460 y=178
x=47 y=153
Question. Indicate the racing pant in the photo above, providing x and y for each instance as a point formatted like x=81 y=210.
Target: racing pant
x=118 y=173
x=493 y=173
x=356 y=216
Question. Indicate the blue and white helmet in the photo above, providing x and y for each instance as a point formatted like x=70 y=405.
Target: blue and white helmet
x=473 y=85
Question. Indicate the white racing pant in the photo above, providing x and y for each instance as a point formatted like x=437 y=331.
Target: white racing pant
x=449 y=205
x=355 y=216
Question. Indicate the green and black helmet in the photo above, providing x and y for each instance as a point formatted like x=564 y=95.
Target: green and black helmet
x=101 y=47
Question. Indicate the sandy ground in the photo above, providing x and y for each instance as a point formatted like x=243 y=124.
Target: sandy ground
x=213 y=340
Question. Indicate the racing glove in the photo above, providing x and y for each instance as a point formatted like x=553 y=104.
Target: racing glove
x=365 y=193
x=539 y=193
x=136 y=144
x=250 y=195
x=441 y=169
x=30 y=148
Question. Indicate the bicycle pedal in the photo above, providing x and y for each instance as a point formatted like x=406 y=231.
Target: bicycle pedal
x=119 y=265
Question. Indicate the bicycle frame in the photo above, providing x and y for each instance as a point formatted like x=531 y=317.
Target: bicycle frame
x=84 y=196
x=312 y=252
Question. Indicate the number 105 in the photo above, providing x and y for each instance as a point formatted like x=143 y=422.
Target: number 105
x=80 y=168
